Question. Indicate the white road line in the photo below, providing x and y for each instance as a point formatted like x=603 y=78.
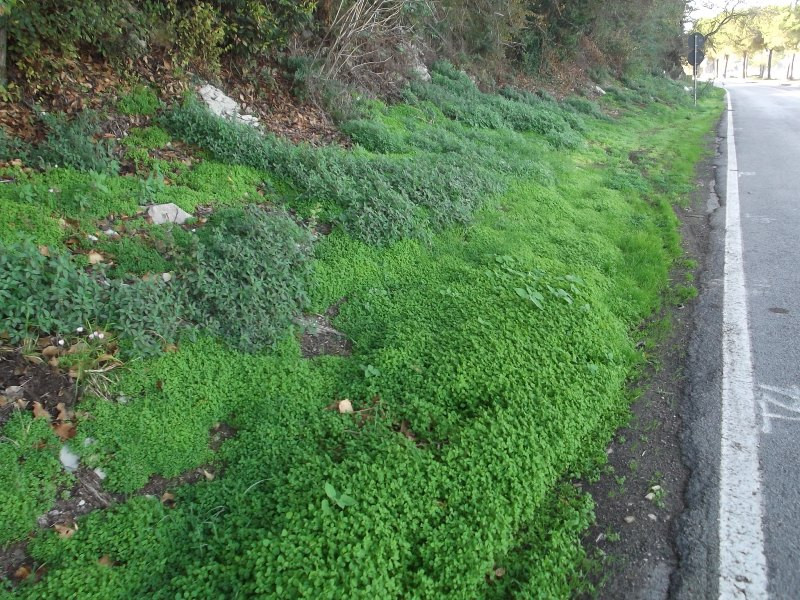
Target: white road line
x=742 y=564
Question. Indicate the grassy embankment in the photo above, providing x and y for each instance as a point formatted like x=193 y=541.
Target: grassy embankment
x=491 y=258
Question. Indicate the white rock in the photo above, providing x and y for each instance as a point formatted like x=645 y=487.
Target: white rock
x=110 y=232
x=166 y=277
x=13 y=392
x=630 y=519
x=100 y=473
x=82 y=502
x=167 y=213
x=224 y=106
x=345 y=406
x=599 y=90
x=68 y=459
x=650 y=496
x=652 y=517
x=92 y=238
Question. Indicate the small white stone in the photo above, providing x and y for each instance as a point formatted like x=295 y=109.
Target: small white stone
x=13 y=392
x=82 y=502
x=630 y=519
x=68 y=459
x=92 y=238
x=110 y=232
x=345 y=406
x=652 y=517
x=166 y=277
x=655 y=488
x=167 y=213
x=650 y=496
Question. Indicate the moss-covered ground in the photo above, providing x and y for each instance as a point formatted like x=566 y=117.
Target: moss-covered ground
x=490 y=257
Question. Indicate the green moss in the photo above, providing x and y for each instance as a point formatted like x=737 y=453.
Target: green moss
x=30 y=475
x=140 y=100
x=20 y=220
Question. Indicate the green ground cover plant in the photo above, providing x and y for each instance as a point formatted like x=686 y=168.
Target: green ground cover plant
x=491 y=277
x=30 y=475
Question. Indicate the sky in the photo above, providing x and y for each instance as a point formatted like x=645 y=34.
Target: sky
x=718 y=5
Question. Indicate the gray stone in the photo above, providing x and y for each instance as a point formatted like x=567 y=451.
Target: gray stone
x=224 y=106
x=167 y=213
x=68 y=459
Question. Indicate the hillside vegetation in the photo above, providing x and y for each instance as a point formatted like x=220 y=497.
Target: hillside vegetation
x=367 y=369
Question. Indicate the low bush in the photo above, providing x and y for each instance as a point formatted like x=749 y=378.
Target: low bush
x=248 y=276
x=44 y=291
x=71 y=143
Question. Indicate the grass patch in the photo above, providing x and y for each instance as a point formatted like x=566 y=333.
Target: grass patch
x=490 y=285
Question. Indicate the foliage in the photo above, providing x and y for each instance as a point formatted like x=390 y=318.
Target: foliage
x=381 y=199
x=489 y=363
x=115 y=30
x=30 y=475
x=12 y=148
x=71 y=143
x=140 y=100
x=48 y=293
x=43 y=290
x=248 y=276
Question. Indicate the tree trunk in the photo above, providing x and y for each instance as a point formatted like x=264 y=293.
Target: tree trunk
x=716 y=66
x=791 y=67
x=3 y=52
x=744 y=66
x=769 y=65
x=725 y=71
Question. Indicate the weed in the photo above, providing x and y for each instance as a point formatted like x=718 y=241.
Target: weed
x=248 y=276
x=70 y=143
x=140 y=100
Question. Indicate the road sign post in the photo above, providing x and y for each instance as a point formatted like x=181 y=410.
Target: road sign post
x=696 y=56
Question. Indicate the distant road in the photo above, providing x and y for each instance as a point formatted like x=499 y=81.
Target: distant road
x=741 y=538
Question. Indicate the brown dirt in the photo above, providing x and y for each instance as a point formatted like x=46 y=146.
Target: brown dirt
x=633 y=535
x=39 y=382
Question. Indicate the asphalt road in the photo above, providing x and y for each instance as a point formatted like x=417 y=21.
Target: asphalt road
x=740 y=537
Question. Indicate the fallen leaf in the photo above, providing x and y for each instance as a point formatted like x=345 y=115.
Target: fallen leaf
x=21 y=404
x=39 y=411
x=51 y=351
x=78 y=347
x=170 y=348
x=65 y=531
x=23 y=572
x=345 y=406
x=64 y=414
x=53 y=362
x=64 y=431
x=75 y=371
x=44 y=251
x=168 y=499
x=95 y=257
x=208 y=475
x=4 y=400
x=105 y=561
x=499 y=572
x=33 y=359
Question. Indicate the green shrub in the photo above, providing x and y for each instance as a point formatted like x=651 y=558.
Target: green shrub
x=248 y=276
x=12 y=148
x=51 y=294
x=374 y=136
x=200 y=35
x=70 y=143
x=140 y=100
x=116 y=30
x=48 y=294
